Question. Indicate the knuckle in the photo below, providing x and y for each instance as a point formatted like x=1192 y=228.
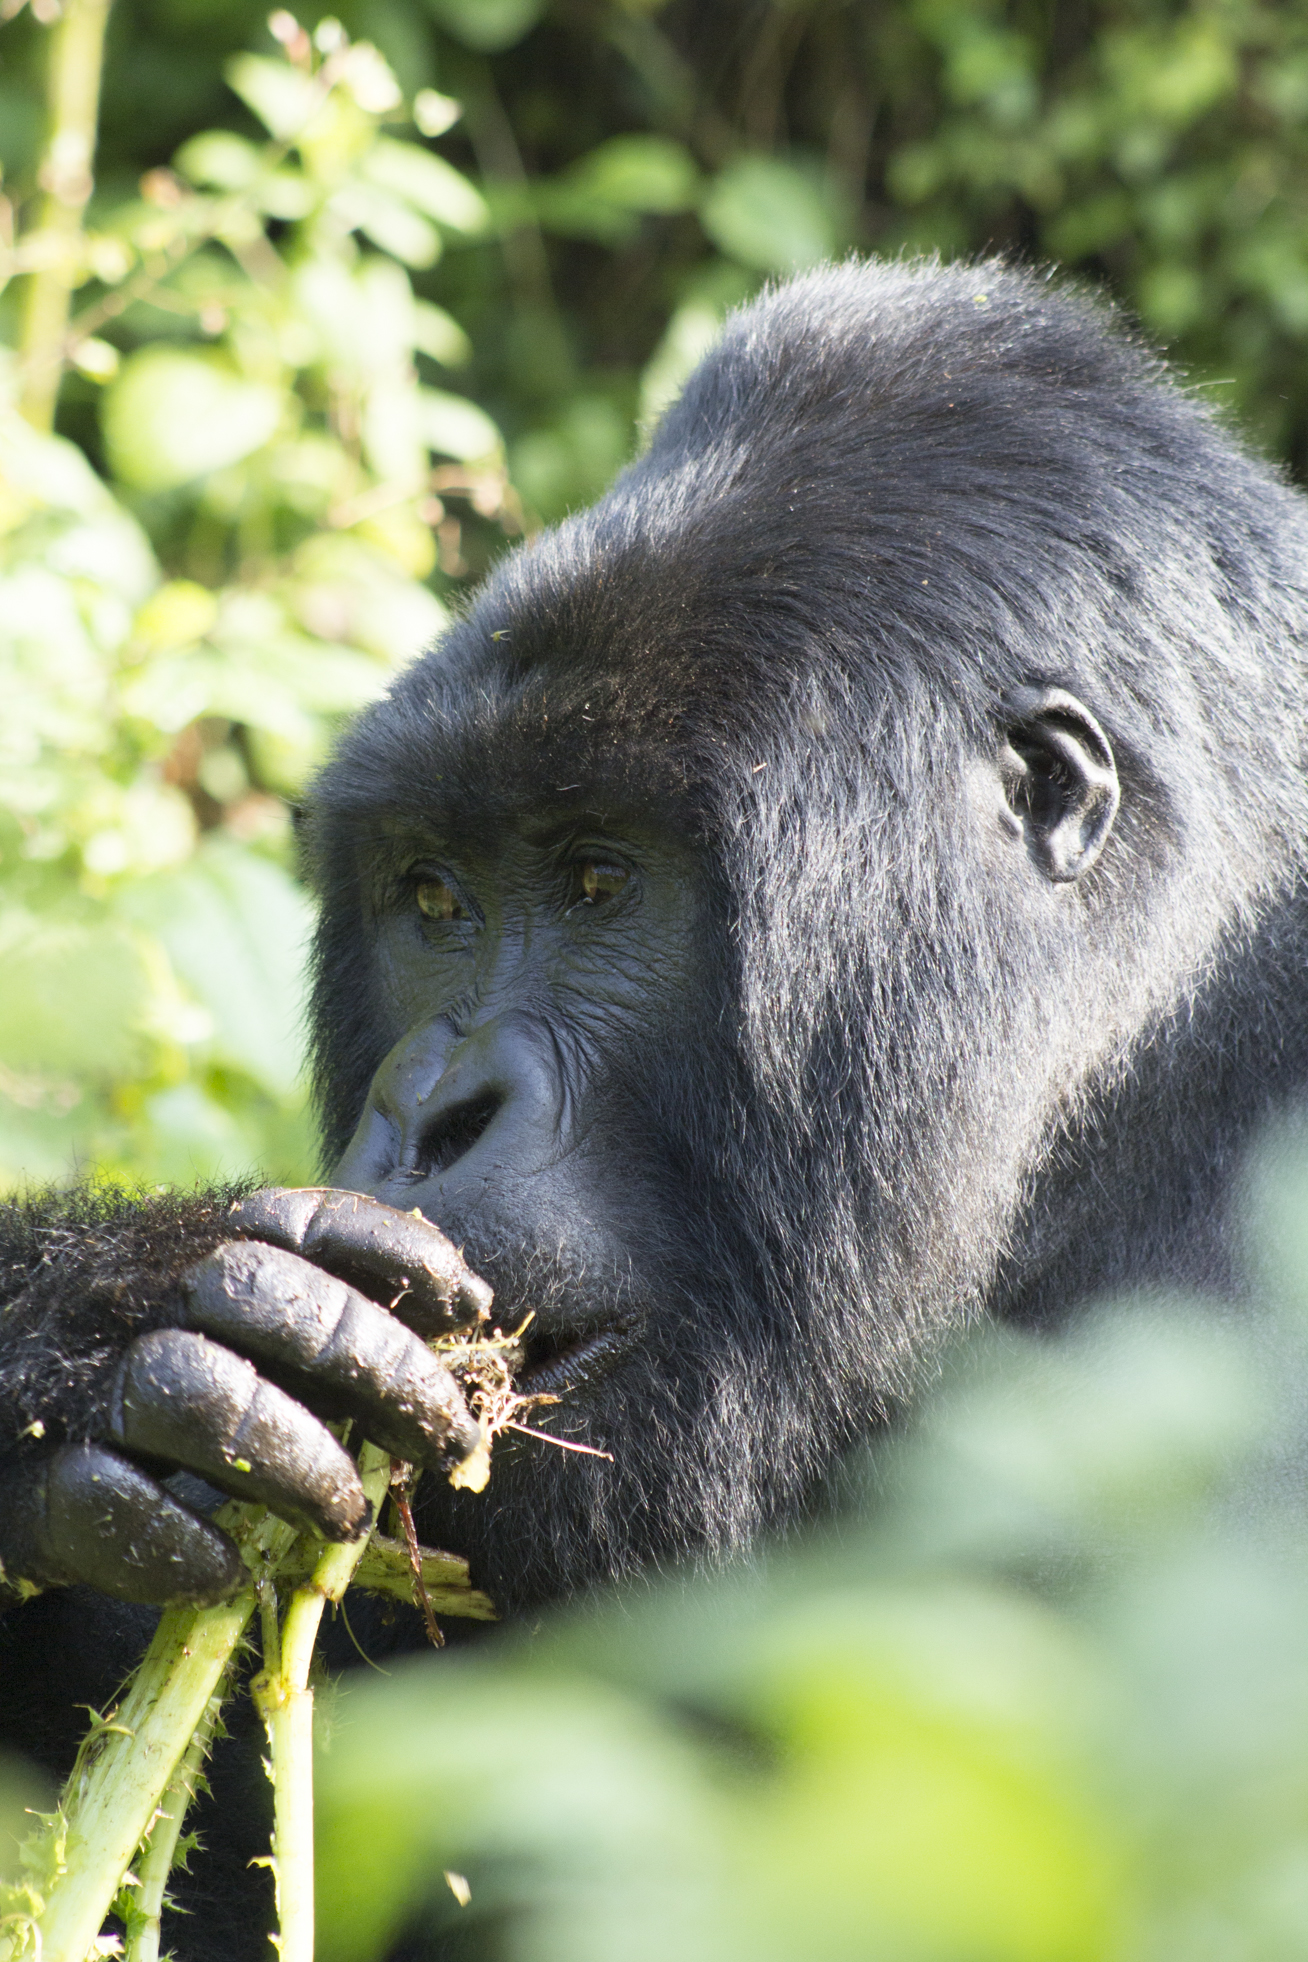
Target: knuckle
x=174 y=1387
x=277 y=1214
x=265 y=1298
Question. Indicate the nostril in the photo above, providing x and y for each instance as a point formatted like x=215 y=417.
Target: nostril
x=454 y=1132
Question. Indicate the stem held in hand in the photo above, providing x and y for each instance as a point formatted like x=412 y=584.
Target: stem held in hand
x=285 y=1703
x=116 y=1788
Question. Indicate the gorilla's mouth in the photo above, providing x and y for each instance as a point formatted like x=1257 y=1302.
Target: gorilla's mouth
x=555 y=1360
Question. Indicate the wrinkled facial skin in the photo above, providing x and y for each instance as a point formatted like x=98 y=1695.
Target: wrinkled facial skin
x=538 y=977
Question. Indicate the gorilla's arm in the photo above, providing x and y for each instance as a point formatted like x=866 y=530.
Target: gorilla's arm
x=140 y=1337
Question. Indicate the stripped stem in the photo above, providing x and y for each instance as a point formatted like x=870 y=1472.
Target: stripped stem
x=285 y=1702
x=112 y=1799
x=161 y=1847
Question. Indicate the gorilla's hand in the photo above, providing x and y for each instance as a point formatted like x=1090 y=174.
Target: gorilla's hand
x=259 y=1343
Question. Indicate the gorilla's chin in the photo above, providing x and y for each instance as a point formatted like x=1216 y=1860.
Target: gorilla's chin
x=638 y=1451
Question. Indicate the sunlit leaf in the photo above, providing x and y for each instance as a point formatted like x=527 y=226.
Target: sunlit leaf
x=427 y=181
x=74 y=997
x=389 y=222
x=172 y=416
x=438 y=334
x=221 y=159
x=766 y=213
x=284 y=99
x=236 y=928
x=454 y=426
x=434 y=113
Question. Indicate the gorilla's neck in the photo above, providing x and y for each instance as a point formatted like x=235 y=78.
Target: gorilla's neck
x=1144 y=1190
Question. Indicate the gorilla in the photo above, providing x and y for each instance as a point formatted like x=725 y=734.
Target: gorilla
x=848 y=882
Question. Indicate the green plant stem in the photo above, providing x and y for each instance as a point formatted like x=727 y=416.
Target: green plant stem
x=286 y=1704
x=113 y=1796
x=161 y=1847
x=73 y=100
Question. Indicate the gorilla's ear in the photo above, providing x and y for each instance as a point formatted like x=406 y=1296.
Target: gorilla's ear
x=1059 y=778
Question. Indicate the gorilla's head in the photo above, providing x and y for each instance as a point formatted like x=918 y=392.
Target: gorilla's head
x=836 y=884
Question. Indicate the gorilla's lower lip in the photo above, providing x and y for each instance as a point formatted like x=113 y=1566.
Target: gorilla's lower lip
x=564 y=1362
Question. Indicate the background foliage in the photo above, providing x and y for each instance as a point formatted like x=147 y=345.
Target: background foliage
x=1042 y=1697
x=355 y=306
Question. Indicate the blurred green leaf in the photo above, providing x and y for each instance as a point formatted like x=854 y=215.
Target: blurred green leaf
x=436 y=333
x=172 y=416
x=767 y=213
x=561 y=467
x=488 y=25
x=454 y=426
x=427 y=182
x=389 y=222
x=236 y=930
x=565 y=1780
x=641 y=173
x=284 y=98
x=603 y=194
x=937 y=1731
x=221 y=159
x=75 y=997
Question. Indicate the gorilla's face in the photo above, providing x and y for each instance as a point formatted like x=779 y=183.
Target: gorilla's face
x=567 y=1091
x=541 y=979
x=537 y=973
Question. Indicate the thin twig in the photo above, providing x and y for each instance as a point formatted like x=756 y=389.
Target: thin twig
x=402 y=1483
x=564 y=1443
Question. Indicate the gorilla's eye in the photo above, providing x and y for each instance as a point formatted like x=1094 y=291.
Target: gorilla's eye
x=437 y=901
x=600 y=881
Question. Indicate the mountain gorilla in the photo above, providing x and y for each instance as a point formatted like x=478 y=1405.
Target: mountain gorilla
x=848 y=881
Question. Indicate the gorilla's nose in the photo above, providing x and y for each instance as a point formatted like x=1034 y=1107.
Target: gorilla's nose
x=448 y=1112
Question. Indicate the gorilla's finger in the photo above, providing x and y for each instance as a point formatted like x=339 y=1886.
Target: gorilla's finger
x=334 y=1347
x=181 y=1397
x=399 y=1259
x=86 y=1514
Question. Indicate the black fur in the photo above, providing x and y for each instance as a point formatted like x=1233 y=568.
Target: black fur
x=923 y=1082
x=912 y=1080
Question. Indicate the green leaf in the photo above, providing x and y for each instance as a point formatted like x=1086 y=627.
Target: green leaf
x=74 y=997
x=236 y=929
x=173 y=416
x=689 y=335
x=438 y=334
x=487 y=25
x=639 y=173
x=563 y=466
x=283 y=98
x=453 y=426
x=427 y=181
x=344 y=590
x=603 y=195
x=767 y=213
x=220 y=159
x=389 y=222
x=434 y=113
